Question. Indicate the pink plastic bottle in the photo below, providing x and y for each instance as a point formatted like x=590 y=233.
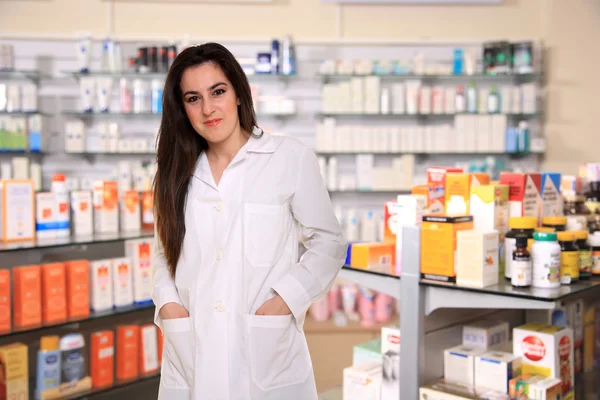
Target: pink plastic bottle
x=334 y=297
x=384 y=307
x=366 y=307
x=319 y=310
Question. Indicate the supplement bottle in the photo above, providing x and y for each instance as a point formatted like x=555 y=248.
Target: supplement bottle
x=592 y=202
x=521 y=264
x=569 y=258
x=519 y=226
x=558 y=223
x=545 y=253
x=576 y=212
x=585 y=254
x=594 y=242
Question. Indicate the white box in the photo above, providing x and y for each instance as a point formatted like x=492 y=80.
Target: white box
x=390 y=339
x=122 y=281
x=459 y=364
x=45 y=215
x=398 y=98
x=75 y=137
x=20 y=168
x=546 y=350
x=487 y=335
x=364 y=171
x=499 y=123
x=140 y=251
x=482 y=97
x=477 y=258
x=149 y=348
x=131 y=219
x=495 y=369
x=425 y=100
x=505 y=99
x=390 y=376
x=363 y=381
x=82 y=215
x=125 y=145
x=484 y=133
x=17 y=212
x=106 y=207
x=443 y=390
x=450 y=100
x=101 y=285
x=516 y=100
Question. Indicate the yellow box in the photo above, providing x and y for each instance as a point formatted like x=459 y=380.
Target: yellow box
x=589 y=335
x=438 y=245
x=458 y=191
x=14 y=383
x=373 y=256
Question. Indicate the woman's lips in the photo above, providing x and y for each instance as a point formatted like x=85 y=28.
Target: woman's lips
x=213 y=122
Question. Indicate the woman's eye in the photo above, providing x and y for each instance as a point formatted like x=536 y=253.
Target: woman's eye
x=218 y=92
x=192 y=99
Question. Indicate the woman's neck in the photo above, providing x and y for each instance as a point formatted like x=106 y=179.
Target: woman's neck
x=226 y=150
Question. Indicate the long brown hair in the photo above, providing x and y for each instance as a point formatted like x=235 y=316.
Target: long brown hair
x=179 y=145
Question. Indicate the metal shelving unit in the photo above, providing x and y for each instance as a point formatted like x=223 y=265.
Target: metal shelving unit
x=419 y=298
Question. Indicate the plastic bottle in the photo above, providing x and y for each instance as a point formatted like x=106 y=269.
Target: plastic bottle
x=493 y=101
x=72 y=358
x=519 y=226
x=124 y=96
x=288 y=57
x=585 y=254
x=569 y=258
x=275 y=57
x=558 y=223
x=546 y=260
x=594 y=242
x=48 y=364
x=472 y=99
x=521 y=264
x=63 y=213
x=157 y=96
x=523 y=137
x=459 y=104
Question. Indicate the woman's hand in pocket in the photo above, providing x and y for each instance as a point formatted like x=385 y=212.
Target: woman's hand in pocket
x=172 y=311
x=274 y=306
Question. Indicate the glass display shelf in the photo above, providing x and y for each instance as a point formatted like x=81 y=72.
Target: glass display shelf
x=106 y=153
x=409 y=116
x=156 y=75
x=478 y=76
x=93 y=316
x=94 y=114
x=21 y=153
x=75 y=240
x=31 y=74
x=421 y=153
x=23 y=113
x=118 y=384
x=373 y=191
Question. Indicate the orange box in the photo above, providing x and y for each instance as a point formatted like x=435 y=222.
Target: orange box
x=102 y=358
x=54 y=297
x=27 y=296
x=390 y=221
x=373 y=256
x=148 y=210
x=5 y=312
x=160 y=345
x=438 y=245
x=78 y=288
x=148 y=349
x=128 y=351
x=434 y=195
x=458 y=191
x=106 y=207
x=14 y=376
x=436 y=176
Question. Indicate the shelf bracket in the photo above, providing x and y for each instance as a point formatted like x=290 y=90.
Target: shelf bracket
x=380 y=283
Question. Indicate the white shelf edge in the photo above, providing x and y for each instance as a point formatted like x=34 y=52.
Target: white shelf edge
x=383 y=284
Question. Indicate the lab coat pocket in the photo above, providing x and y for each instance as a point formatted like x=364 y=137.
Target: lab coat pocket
x=264 y=231
x=278 y=352
x=178 y=356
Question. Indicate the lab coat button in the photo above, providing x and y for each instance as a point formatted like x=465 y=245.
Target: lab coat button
x=220 y=307
x=219 y=256
x=219 y=206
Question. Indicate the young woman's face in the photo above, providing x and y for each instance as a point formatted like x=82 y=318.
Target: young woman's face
x=210 y=102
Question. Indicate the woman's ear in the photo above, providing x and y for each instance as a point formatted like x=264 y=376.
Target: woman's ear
x=238 y=102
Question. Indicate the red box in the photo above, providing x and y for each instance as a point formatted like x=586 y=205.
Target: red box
x=436 y=176
x=524 y=195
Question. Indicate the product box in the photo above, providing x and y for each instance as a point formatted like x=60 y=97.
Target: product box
x=147 y=210
x=445 y=390
x=27 y=296
x=367 y=352
x=524 y=193
x=131 y=219
x=161 y=340
x=17 y=211
x=102 y=354
x=390 y=339
x=434 y=198
x=548 y=351
x=390 y=376
x=495 y=369
x=101 y=285
x=535 y=387
x=438 y=245
x=409 y=212
x=45 y=215
x=122 y=282
x=487 y=335
x=589 y=338
x=5 y=303
x=374 y=256
x=436 y=182
x=459 y=364
x=78 y=289
x=390 y=221
x=14 y=379
x=477 y=258
x=458 y=191
x=139 y=251
x=148 y=349
x=128 y=351
x=552 y=202
x=82 y=215
x=54 y=293
x=363 y=382
x=106 y=207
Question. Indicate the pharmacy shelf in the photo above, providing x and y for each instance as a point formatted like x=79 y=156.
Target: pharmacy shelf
x=92 y=317
x=428 y=77
x=423 y=153
x=15 y=153
x=23 y=113
x=75 y=240
x=374 y=191
x=380 y=282
x=110 y=114
x=96 y=153
x=158 y=75
x=31 y=74
x=413 y=116
x=116 y=387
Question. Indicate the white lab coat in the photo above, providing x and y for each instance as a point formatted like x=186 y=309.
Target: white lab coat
x=240 y=247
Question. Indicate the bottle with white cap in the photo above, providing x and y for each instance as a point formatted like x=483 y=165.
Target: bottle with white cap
x=63 y=210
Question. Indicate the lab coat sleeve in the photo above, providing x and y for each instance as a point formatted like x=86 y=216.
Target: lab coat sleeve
x=321 y=235
x=164 y=289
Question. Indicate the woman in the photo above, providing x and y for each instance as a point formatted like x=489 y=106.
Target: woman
x=232 y=203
